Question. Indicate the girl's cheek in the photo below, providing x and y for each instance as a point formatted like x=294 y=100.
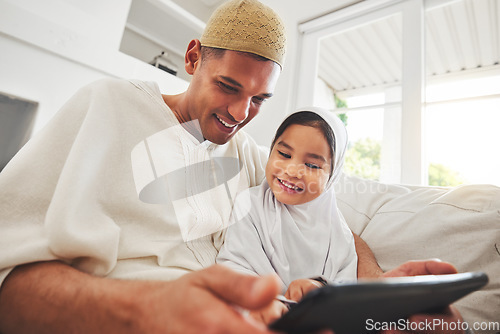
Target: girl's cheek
x=278 y=166
x=323 y=182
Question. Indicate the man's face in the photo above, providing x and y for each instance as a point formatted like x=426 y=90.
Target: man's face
x=227 y=92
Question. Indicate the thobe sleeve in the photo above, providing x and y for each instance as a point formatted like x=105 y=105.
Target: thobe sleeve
x=52 y=192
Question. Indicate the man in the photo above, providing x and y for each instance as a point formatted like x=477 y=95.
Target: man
x=92 y=240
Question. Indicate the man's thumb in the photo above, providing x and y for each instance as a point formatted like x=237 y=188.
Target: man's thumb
x=250 y=292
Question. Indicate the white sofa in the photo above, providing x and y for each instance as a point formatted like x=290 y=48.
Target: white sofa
x=460 y=225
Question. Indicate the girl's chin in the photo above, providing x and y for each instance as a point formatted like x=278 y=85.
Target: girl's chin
x=286 y=198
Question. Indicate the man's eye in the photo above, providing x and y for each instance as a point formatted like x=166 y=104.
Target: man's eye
x=258 y=100
x=288 y=156
x=227 y=88
x=313 y=166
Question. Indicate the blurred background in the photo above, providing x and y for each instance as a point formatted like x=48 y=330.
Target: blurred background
x=417 y=82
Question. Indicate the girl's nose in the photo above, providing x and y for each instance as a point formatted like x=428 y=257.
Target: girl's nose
x=295 y=170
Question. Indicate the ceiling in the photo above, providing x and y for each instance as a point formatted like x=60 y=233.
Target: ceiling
x=171 y=24
x=460 y=37
x=166 y=23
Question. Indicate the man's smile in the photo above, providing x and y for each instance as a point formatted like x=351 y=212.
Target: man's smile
x=226 y=124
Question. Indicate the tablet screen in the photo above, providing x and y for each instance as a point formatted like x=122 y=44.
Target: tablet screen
x=349 y=308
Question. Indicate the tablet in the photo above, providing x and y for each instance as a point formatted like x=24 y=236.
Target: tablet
x=350 y=308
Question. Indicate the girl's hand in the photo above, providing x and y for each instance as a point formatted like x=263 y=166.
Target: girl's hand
x=300 y=287
x=269 y=313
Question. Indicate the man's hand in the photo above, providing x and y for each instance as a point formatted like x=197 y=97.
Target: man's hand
x=422 y=267
x=429 y=267
x=368 y=268
x=52 y=297
x=208 y=301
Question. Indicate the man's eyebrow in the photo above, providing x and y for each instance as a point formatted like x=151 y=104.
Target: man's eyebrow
x=236 y=83
x=231 y=81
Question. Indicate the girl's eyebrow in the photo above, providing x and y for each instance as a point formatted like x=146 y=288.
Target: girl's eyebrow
x=282 y=143
x=310 y=155
x=316 y=157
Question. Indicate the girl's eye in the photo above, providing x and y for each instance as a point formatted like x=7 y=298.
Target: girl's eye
x=288 y=156
x=227 y=88
x=313 y=166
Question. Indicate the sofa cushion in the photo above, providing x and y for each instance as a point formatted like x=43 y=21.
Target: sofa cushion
x=460 y=225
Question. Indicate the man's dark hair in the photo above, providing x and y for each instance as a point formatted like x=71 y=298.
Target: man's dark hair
x=208 y=52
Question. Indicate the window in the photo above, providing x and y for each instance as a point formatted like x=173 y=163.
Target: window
x=361 y=68
x=415 y=81
x=462 y=93
x=462 y=132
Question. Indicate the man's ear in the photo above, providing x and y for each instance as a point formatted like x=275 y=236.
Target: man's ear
x=193 y=56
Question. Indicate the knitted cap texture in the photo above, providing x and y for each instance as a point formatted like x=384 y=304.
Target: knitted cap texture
x=247 y=26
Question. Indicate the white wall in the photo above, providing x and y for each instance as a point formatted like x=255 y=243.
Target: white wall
x=145 y=50
x=102 y=21
x=36 y=75
x=51 y=48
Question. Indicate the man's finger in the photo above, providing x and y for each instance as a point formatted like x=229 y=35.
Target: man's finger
x=436 y=267
x=422 y=267
x=251 y=292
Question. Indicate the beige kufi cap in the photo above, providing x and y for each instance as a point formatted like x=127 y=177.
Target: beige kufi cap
x=247 y=26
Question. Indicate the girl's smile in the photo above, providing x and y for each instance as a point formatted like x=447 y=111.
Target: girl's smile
x=299 y=165
x=288 y=186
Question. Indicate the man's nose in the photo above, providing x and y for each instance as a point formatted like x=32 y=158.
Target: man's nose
x=239 y=110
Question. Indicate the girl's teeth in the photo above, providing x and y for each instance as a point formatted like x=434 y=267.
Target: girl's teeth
x=288 y=185
x=227 y=125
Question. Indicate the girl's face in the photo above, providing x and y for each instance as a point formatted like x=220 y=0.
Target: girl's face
x=299 y=165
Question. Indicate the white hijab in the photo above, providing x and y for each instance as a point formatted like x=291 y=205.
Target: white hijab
x=298 y=241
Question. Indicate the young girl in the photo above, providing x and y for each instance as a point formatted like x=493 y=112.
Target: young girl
x=291 y=225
